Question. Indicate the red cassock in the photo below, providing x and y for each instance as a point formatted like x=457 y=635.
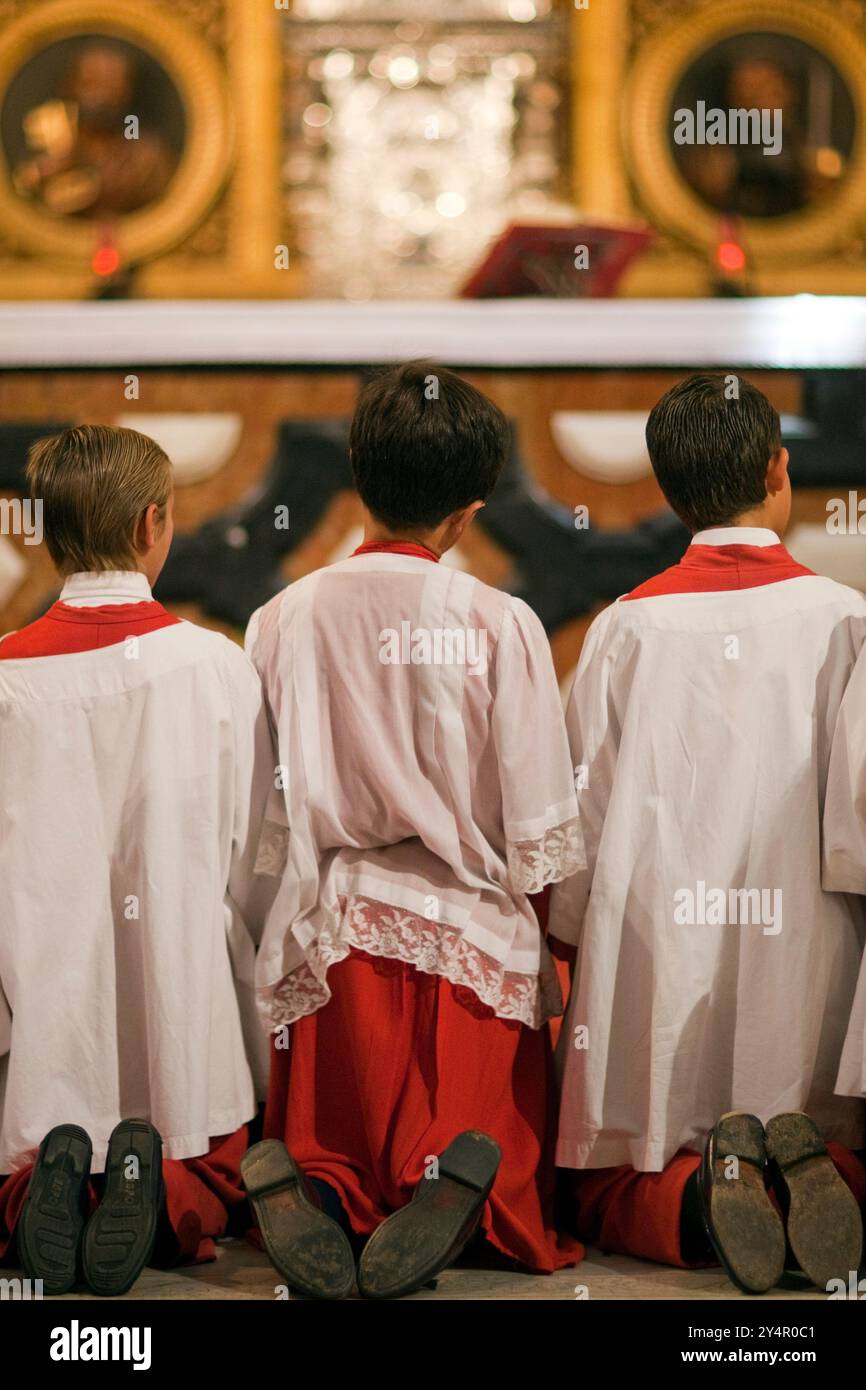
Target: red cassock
x=426 y=792
x=626 y=1212
x=381 y=1079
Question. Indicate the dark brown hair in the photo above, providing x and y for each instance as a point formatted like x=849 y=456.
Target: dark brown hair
x=424 y=444
x=710 y=441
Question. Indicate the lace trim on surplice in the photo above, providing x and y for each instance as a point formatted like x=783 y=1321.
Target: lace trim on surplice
x=380 y=929
x=532 y=864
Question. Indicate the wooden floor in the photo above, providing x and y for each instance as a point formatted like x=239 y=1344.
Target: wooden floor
x=240 y=1272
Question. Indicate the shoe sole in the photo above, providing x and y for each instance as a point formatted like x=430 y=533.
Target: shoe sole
x=744 y=1228
x=120 y=1235
x=416 y=1243
x=51 y=1221
x=825 y=1228
x=305 y=1246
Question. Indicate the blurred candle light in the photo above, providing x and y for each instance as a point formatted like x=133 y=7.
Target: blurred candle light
x=338 y=65
x=403 y=70
x=317 y=115
x=450 y=204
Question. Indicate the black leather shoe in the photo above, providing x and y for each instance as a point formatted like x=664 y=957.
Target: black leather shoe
x=825 y=1228
x=744 y=1227
x=119 y=1236
x=307 y=1247
x=55 y=1208
x=414 y=1244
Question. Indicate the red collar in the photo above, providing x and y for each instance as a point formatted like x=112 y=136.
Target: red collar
x=144 y=610
x=721 y=568
x=65 y=630
x=396 y=548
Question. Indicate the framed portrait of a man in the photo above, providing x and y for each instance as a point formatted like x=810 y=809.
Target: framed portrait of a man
x=111 y=116
x=92 y=126
x=754 y=111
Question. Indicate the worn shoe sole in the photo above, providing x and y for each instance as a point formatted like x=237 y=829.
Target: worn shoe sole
x=310 y=1250
x=119 y=1237
x=744 y=1228
x=52 y=1218
x=825 y=1228
x=414 y=1244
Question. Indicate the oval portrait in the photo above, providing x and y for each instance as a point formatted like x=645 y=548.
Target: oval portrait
x=771 y=121
x=113 y=120
x=753 y=109
x=91 y=126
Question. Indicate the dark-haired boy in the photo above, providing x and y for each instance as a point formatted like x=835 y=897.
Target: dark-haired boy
x=424 y=791
x=714 y=975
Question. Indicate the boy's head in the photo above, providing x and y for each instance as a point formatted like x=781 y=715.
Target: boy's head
x=106 y=498
x=716 y=449
x=426 y=449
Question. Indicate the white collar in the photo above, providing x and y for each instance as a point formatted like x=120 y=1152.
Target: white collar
x=91 y=589
x=736 y=535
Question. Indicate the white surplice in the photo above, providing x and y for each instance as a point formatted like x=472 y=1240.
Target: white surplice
x=128 y=829
x=425 y=783
x=845 y=851
x=703 y=716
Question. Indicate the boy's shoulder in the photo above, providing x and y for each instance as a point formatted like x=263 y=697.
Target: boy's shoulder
x=222 y=649
x=825 y=590
x=205 y=646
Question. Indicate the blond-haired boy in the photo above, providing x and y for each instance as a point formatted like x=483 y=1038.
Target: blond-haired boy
x=127 y=742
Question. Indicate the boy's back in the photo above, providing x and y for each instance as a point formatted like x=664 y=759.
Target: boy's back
x=424 y=788
x=714 y=974
x=121 y=741
x=425 y=778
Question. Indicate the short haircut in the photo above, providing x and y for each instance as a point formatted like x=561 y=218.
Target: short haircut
x=710 y=439
x=424 y=444
x=94 y=481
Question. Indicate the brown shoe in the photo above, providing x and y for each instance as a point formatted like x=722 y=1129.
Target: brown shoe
x=744 y=1227
x=825 y=1228
x=417 y=1242
x=309 y=1249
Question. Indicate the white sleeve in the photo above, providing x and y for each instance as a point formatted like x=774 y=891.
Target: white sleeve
x=539 y=806
x=593 y=737
x=844 y=868
x=251 y=634
x=249 y=893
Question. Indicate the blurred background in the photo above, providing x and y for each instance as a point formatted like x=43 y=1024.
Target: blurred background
x=381 y=151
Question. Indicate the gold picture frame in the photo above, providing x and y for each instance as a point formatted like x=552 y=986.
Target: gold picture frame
x=663 y=192
x=216 y=228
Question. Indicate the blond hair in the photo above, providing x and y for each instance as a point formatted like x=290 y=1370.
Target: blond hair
x=94 y=482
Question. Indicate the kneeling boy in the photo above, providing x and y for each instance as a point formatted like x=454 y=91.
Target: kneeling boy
x=127 y=742
x=713 y=975
x=425 y=790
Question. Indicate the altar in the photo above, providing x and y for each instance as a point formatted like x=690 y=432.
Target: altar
x=252 y=400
